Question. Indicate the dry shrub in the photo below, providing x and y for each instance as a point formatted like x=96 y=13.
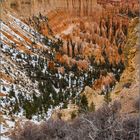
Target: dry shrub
x=103 y=124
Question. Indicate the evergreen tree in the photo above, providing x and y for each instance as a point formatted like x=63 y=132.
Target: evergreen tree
x=84 y=103
x=92 y=107
x=107 y=98
x=12 y=93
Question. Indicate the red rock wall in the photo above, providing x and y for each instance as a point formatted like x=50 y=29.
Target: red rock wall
x=30 y=7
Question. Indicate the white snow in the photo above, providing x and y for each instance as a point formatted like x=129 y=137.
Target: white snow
x=4 y=138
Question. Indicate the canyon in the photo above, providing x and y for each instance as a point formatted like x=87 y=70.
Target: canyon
x=63 y=57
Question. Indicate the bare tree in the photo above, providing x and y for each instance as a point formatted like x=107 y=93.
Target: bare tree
x=103 y=124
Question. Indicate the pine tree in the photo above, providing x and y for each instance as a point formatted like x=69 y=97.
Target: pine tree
x=12 y=93
x=92 y=107
x=107 y=98
x=84 y=103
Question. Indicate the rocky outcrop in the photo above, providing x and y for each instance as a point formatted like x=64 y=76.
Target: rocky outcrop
x=93 y=97
x=65 y=114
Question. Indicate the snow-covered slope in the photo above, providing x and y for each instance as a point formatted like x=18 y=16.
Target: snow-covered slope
x=32 y=83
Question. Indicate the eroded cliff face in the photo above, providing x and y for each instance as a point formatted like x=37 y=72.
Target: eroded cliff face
x=32 y=7
x=127 y=90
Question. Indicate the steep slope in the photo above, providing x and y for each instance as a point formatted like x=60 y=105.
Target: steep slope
x=127 y=90
x=33 y=82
